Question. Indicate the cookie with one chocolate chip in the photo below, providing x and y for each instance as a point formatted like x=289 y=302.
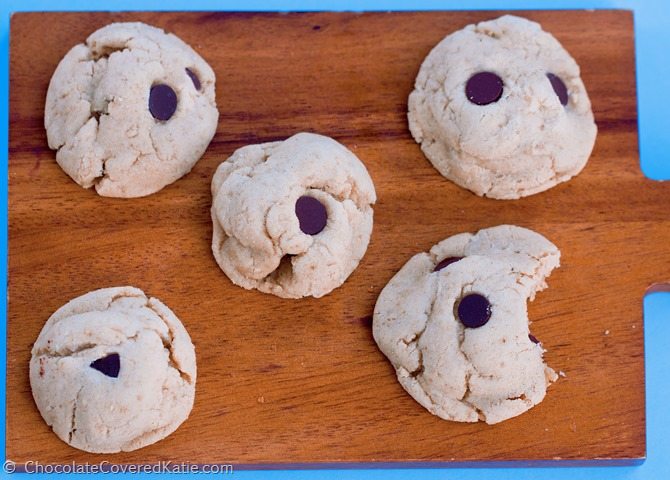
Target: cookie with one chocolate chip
x=499 y=108
x=454 y=324
x=113 y=370
x=292 y=218
x=131 y=110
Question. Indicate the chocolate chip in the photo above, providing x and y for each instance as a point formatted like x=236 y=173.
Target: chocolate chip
x=194 y=78
x=559 y=88
x=484 y=88
x=311 y=214
x=162 y=102
x=109 y=365
x=474 y=310
x=447 y=261
x=533 y=338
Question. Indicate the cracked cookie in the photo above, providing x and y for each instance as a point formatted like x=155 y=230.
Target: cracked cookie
x=113 y=370
x=130 y=111
x=454 y=324
x=291 y=218
x=499 y=108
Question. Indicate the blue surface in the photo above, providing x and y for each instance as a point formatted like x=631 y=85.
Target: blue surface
x=652 y=25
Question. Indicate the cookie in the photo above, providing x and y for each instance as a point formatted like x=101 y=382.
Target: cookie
x=453 y=322
x=113 y=371
x=291 y=218
x=499 y=108
x=130 y=111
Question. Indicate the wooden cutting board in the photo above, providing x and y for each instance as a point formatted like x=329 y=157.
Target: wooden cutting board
x=288 y=383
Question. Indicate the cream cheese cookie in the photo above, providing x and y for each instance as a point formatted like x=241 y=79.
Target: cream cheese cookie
x=454 y=324
x=113 y=370
x=291 y=218
x=131 y=110
x=499 y=108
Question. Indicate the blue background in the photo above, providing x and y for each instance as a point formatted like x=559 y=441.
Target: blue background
x=652 y=26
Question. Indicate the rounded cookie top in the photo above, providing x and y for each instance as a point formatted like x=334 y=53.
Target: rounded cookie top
x=453 y=322
x=291 y=218
x=499 y=108
x=113 y=370
x=131 y=110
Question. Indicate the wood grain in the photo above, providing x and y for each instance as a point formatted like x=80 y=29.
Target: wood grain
x=284 y=382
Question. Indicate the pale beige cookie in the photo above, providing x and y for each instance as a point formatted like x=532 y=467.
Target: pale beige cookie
x=131 y=110
x=499 y=108
x=113 y=370
x=291 y=218
x=454 y=324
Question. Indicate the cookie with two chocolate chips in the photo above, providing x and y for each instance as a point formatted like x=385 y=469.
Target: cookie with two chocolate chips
x=500 y=108
x=454 y=324
x=131 y=110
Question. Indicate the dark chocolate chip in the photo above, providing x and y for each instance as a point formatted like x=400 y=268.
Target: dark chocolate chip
x=194 y=78
x=447 y=261
x=559 y=88
x=162 y=102
x=484 y=88
x=316 y=27
x=311 y=214
x=474 y=310
x=109 y=365
x=533 y=338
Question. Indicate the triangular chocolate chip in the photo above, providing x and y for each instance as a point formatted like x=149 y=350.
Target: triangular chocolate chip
x=109 y=365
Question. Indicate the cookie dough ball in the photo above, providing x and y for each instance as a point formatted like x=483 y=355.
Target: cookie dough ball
x=130 y=111
x=291 y=218
x=499 y=108
x=113 y=371
x=454 y=324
